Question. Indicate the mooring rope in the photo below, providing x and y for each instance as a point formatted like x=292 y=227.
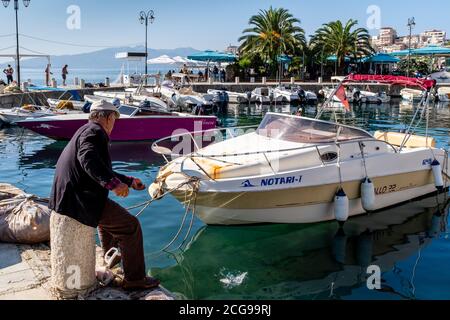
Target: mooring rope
x=191 y=201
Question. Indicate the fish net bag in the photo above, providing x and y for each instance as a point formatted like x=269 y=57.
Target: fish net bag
x=24 y=219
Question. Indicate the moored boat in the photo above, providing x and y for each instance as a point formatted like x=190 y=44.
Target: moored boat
x=299 y=170
x=135 y=124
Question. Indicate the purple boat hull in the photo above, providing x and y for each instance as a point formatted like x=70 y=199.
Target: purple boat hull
x=125 y=129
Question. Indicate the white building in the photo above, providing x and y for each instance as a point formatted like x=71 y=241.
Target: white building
x=434 y=37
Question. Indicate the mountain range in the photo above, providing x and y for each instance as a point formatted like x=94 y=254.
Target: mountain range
x=101 y=59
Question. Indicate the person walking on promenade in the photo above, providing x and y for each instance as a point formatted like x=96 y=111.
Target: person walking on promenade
x=48 y=73
x=216 y=73
x=65 y=72
x=83 y=179
x=9 y=74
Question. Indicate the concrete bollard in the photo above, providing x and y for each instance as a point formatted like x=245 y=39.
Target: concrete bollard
x=107 y=82
x=54 y=83
x=76 y=81
x=292 y=80
x=211 y=80
x=252 y=80
x=319 y=80
x=82 y=84
x=236 y=80
x=72 y=257
x=264 y=80
x=24 y=87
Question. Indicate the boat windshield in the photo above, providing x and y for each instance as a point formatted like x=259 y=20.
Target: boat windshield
x=303 y=130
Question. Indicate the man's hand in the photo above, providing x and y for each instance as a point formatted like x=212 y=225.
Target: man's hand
x=122 y=190
x=138 y=185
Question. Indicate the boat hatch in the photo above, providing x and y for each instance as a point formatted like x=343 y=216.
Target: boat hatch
x=304 y=130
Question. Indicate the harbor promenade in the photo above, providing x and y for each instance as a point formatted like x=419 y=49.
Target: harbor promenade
x=10 y=100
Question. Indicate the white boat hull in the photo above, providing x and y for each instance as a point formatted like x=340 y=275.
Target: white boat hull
x=303 y=214
x=297 y=183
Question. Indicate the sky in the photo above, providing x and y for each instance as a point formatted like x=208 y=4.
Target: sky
x=201 y=24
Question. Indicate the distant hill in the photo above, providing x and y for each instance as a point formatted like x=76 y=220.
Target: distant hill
x=102 y=59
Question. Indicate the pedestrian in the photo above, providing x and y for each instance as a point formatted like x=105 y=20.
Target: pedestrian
x=223 y=75
x=83 y=179
x=9 y=74
x=215 y=73
x=47 y=74
x=65 y=72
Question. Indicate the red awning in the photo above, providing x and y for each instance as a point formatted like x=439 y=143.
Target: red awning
x=399 y=80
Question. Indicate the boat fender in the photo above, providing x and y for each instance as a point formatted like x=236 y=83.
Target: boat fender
x=437 y=173
x=249 y=95
x=341 y=206
x=368 y=195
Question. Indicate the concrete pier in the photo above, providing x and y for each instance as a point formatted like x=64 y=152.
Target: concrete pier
x=25 y=274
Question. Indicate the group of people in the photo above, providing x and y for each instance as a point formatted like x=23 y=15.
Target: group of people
x=48 y=73
x=9 y=72
x=218 y=75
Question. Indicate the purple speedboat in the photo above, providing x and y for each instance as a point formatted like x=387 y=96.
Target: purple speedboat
x=134 y=124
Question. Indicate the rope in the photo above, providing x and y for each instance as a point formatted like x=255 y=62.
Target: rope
x=194 y=183
x=363 y=158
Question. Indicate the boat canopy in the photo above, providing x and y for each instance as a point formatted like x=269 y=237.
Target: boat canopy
x=422 y=83
x=306 y=130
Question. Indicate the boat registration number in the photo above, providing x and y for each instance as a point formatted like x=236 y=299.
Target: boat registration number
x=386 y=189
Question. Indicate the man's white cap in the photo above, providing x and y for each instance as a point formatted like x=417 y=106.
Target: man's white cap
x=104 y=105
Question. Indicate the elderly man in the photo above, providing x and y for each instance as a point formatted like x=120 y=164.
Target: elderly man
x=83 y=179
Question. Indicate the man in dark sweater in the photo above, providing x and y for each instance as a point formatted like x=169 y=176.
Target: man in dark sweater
x=84 y=177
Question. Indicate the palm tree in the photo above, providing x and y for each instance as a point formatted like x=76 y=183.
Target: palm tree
x=343 y=41
x=272 y=33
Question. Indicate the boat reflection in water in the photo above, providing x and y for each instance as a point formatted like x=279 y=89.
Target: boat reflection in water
x=134 y=155
x=316 y=261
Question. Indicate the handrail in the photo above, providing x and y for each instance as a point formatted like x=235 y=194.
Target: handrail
x=264 y=152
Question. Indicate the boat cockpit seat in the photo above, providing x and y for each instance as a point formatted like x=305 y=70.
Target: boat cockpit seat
x=397 y=138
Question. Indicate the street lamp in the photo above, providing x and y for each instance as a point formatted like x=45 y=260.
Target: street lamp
x=146 y=18
x=411 y=24
x=26 y=3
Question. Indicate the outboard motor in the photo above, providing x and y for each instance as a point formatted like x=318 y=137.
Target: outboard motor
x=356 y=96
x=116 y=102
x=87 y=107
x=302 y=95
x=249 y=96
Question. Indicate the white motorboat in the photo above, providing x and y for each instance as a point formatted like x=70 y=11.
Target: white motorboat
x=148 y=102
x=14 y=115
x=282 y=94
x=184 y=97
x=443 y=94
x=263 y=95
x=299 y=170
x=60 y=103
x=358 y=96
x=233 y=97
x=412 y=95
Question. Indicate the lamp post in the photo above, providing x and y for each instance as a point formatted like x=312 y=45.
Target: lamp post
x=146 y=18
x=26 y=3
x=411 y=24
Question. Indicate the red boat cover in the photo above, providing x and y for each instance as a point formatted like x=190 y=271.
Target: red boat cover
x=423 y=83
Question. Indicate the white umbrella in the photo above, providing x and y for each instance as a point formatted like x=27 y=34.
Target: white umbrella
x=181 y=60
x=164 y=59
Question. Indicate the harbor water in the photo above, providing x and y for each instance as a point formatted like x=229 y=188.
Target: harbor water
x=409 y=243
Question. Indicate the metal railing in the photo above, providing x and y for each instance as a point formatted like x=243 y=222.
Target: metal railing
x=165 y=152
